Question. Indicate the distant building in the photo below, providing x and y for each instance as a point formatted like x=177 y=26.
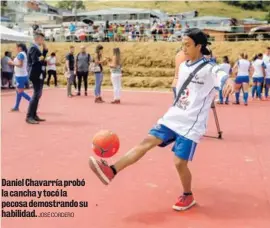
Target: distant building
x=16 y=11
x=117 y=15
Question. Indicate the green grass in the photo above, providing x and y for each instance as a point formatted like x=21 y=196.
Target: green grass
x=214 y=8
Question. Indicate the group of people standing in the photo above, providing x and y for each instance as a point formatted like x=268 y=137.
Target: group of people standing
x=80 y=65
x=33 y=65
x=243 y=69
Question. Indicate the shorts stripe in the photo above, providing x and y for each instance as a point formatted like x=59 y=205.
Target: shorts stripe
x=192 y=150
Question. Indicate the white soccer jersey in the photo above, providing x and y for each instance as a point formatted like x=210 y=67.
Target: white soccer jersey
x=258 y=66
x=189 y=116
x=243 y=67
x=226 y=67
x=21 y=71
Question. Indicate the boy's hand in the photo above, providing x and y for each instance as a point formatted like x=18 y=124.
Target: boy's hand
x=41 y=58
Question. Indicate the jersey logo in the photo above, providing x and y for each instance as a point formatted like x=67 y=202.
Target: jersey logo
x=183 y=101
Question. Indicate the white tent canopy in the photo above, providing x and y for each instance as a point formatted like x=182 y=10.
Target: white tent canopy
x=12 y=35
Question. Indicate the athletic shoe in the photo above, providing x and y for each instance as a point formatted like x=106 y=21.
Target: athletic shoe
x=102 y=170
x=184 y=202
x=14 y=110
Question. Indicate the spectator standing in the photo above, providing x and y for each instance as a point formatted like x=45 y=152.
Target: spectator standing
x=51 y=66
x=72 y=30
x=70 y=70
x=99 y=61
x=36 y=74
x=116 y=75
x=7 y=69
x=82 y=69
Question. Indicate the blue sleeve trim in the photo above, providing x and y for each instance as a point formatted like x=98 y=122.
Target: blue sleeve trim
x=20 y=56
x=263 y=65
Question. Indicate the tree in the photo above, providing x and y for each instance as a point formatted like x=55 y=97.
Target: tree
x=251 y=5
x=69 y=5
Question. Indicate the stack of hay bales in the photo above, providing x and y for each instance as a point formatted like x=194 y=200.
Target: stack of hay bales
x=147 y=64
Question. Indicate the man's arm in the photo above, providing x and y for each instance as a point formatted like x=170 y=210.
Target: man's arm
x=67 y=63
x=263 y=69
x=34 y=54
x=45 y=51
x=76 y=63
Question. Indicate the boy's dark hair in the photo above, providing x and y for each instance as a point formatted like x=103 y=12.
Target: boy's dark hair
x=199 y=37
x=260 y=55
x=6 y=53
x=53 y=54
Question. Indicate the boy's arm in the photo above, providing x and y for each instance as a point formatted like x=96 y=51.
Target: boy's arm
x=179 y=58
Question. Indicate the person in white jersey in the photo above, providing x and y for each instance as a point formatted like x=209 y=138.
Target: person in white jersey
x=258 y=67
x=227 y=68
x=21 y=75
x=242 y=67
x=184 y=122
x=267 y=80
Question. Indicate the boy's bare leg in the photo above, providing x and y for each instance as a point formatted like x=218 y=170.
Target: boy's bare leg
x=137 y=152
x=106 y=173
x=184 y=173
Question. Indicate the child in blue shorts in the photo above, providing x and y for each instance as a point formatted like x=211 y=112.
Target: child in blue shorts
x=184 y=123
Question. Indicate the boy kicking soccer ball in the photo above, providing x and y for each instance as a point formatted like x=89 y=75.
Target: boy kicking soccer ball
x=184 y=123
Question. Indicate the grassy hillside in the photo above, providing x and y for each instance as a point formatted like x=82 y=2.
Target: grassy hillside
x=215 y=8
x=151 y=64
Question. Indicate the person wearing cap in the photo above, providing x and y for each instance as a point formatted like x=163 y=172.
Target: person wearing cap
x=185 y=121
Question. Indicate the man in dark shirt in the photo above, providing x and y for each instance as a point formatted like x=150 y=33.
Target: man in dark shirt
x=70 y=70
x=36 y=69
